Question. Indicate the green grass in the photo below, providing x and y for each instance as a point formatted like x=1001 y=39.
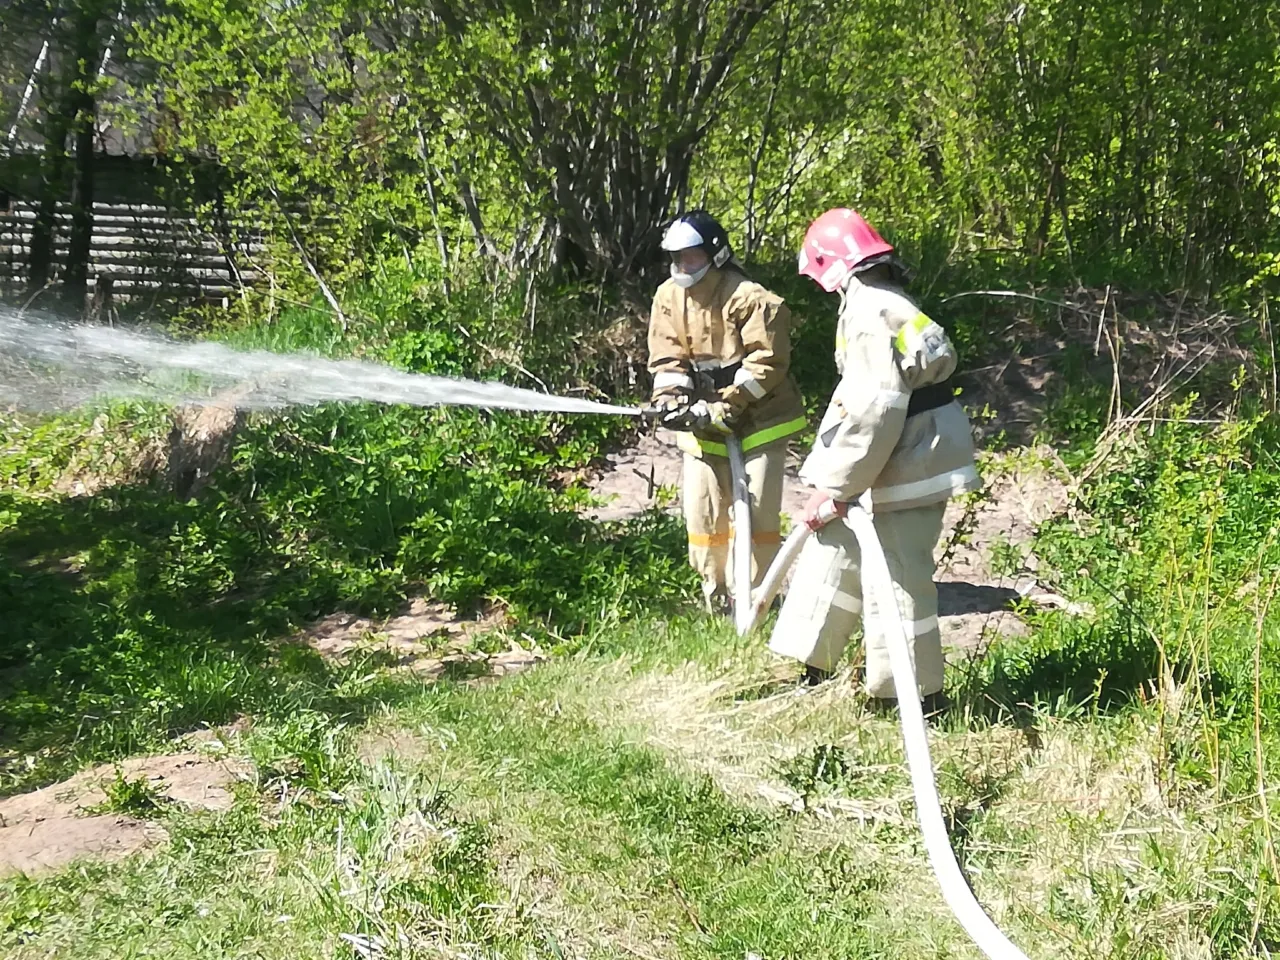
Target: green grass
x=605 y=807
x=132 y=616
x=132 y=797
x=661 y=789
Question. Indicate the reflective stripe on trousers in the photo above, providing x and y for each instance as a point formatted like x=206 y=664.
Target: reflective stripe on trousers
x=707 y=502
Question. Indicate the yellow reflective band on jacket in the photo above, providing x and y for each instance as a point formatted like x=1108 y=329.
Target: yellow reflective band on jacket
x=770 y=434
x=915 y=326
x=691 y=444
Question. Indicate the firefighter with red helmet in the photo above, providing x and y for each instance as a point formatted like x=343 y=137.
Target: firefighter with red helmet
x=719 y=355
x=893 y=441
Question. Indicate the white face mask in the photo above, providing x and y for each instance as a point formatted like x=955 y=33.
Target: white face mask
x=687 y=280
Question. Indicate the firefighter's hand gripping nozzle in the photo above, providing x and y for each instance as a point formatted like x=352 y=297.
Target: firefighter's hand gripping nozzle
x=671 y=412
x=677 y=412
x=682 y=412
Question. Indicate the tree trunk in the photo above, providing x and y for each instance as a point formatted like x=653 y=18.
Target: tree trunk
x=40 y=256
x=610 y=172
x=80 y=246
x=766 y=130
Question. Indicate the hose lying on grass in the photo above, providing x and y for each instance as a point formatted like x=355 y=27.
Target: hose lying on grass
x=875 y=571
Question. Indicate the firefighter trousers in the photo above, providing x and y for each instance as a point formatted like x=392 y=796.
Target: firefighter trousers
x=707 y=498
x=827 y=600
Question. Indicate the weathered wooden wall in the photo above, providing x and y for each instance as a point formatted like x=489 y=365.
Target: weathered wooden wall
x=138 y=250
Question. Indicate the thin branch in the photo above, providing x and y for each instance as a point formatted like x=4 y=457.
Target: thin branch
x=306 y=262
x=441 y=246
x=501 y=359
x=1116 y=427
x=766 y=129
x=472 y=207
x=736 y=32
x=29 y=91
x=1012 y=294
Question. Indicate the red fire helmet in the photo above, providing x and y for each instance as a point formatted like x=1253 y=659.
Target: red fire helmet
x=835 y=244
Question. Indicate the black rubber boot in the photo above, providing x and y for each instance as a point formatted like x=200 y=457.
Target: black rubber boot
x=813 y=676
x=935 y=705
x=719 y=604
x=881 y=706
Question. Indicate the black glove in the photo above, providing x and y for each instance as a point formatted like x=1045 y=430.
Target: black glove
x=670 y=409
x=680 y=418
x=703 y=417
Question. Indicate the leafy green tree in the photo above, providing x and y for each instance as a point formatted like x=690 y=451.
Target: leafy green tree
x=1099 y=139
x=548 y=131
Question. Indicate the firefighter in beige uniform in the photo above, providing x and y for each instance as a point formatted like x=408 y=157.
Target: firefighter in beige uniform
x=719 y=352
x=895 y=442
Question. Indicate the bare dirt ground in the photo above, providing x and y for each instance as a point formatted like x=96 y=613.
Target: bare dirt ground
x=975 y=594
x=426 y=638
x=51 y=827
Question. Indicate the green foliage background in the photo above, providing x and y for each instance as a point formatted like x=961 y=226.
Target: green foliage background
x=482 y=186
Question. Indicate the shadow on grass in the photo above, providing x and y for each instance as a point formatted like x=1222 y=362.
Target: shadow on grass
x=131 y=617
x=1067 y=665
x=957 y=597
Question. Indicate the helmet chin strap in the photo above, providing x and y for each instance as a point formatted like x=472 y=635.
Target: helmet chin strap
x=687 y=280
x=847 y=287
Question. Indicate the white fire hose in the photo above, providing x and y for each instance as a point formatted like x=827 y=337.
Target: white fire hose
x=748 y=611
x=773 y=578
x=743 y=613
x=875 y=571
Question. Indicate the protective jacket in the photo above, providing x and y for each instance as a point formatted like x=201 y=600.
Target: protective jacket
x=893 y=436
x=726 y=338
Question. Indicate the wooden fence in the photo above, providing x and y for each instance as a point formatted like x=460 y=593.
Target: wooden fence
x=137 y=252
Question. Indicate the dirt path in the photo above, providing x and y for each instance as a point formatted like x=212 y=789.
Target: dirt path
x=975 y=594
x=426 y=638
x=51 y=827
